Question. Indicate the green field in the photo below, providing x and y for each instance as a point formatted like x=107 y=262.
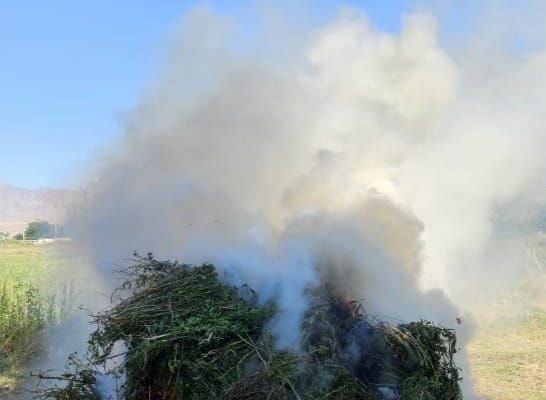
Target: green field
x=508 y=356
x=31 y=299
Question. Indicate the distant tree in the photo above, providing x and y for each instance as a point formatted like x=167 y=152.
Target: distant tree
x=18 y=236
x=39 y=230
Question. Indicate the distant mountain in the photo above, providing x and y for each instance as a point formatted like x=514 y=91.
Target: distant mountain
x=19 y=206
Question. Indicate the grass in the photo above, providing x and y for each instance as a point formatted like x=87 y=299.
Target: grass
x=508 y=355
x=23 y=316
x=509 y=360
x=29 y=303
x=37 y=265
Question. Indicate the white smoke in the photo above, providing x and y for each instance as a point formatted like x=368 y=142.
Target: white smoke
x=370 y=160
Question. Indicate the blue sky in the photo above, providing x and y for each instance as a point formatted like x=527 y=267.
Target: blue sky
x=69 y=69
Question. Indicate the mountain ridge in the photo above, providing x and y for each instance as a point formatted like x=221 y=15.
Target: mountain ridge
x=19 y=206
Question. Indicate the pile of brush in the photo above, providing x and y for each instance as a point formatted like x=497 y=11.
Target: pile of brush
x=187 y=335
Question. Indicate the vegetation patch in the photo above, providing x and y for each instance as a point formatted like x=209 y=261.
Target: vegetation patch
x=30 y=302
x=509 y=363
x=24 y=314
x=188 y=335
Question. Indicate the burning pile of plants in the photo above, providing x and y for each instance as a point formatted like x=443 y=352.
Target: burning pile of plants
x=188 y=335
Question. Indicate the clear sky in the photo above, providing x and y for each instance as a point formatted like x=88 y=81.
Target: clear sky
x=69 y=69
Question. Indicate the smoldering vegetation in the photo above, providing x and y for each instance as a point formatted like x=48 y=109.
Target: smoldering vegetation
x=366 y=161
x=187 y=335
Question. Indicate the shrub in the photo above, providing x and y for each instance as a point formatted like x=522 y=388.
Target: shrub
x=24 y=314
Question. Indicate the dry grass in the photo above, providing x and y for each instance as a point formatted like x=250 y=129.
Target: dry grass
x=509 y=360
x=508 y=355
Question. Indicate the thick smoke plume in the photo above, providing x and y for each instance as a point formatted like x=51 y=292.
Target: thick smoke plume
x=367 y=160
